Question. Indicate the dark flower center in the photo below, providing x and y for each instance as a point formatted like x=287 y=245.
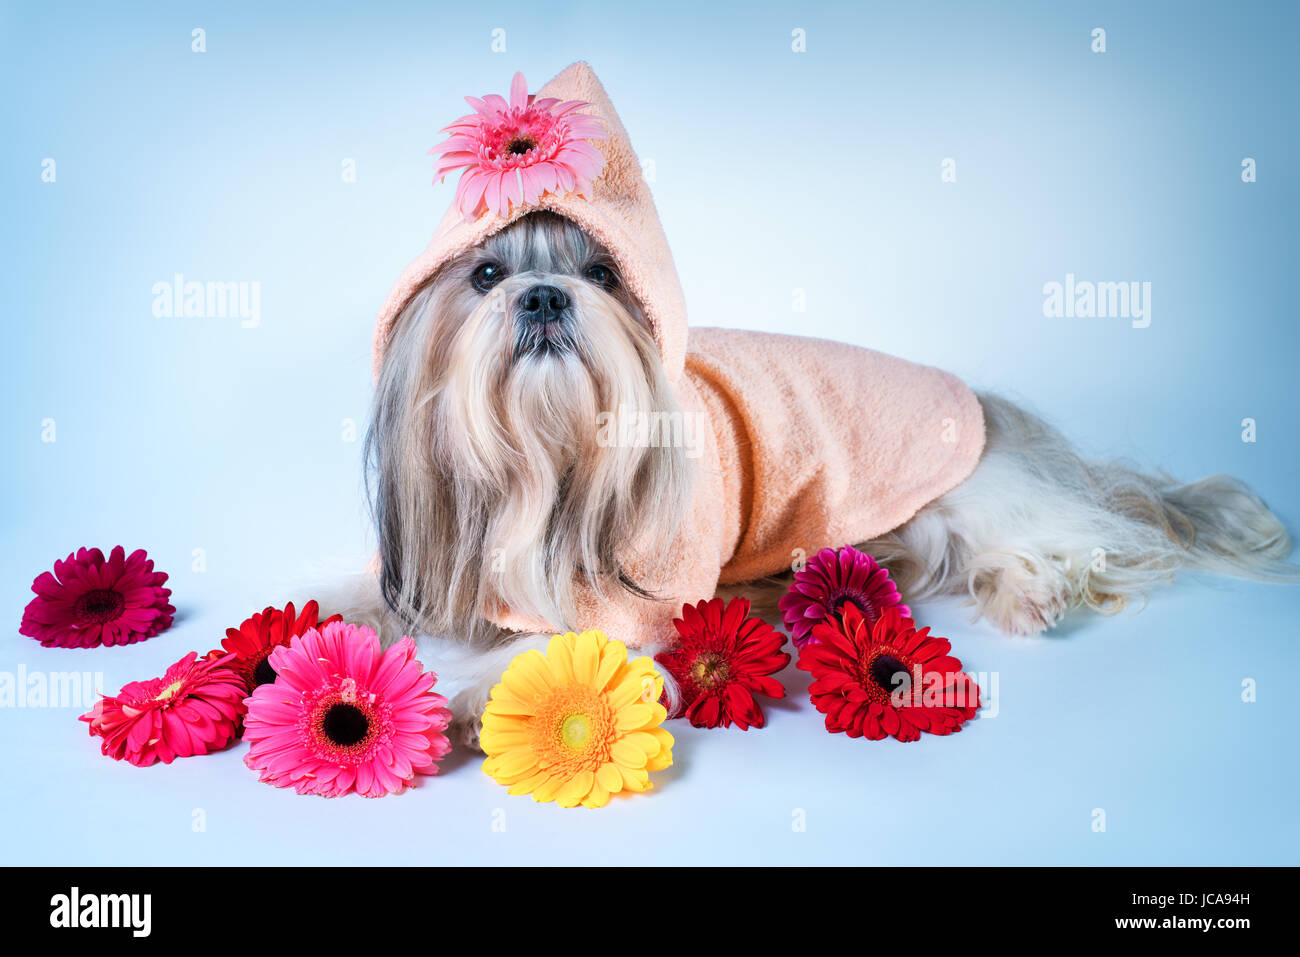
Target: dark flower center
x=263 y=674
x=709 y=669
x=99 y=606
x=345 y=725
x=521 y=145
x=859 y=601
x=883 y=671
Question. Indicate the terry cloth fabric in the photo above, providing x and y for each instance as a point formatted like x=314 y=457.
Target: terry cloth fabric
x=811 y=444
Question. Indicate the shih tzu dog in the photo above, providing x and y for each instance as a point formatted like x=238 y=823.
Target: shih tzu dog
x=491 y=488
x=505 y=512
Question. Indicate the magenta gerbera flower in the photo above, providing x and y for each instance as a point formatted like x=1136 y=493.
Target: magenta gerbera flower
x=88 y=601
x=831 y=580
x=514 y=152
x=192 y=709
x=345 y=715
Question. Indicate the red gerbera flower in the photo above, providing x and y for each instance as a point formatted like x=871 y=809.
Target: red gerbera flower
x=192 y=709
x=887 y=678
x=724 y=658
x=254 y=640
x=88 y=602
x=831 y=580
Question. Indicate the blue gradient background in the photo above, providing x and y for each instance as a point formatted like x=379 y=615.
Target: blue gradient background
x=775 y=171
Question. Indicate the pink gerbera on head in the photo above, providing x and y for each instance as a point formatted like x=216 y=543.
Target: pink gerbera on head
x=345 y=715
x=514 y=152
x=88 y=602
x=192 y=709
x=831 y=580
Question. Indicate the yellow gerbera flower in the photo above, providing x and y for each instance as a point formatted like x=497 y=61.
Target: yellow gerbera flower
x=577 y=724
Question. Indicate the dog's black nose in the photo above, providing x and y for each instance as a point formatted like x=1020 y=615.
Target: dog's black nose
x=543 y=303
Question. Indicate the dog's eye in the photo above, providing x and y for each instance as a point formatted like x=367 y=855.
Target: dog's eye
x=486 y=276
x=602 y=276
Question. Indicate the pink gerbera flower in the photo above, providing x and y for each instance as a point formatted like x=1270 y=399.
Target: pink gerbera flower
x=192 y=709
x=513 y=153
x=831 y=580
x=88 y=601
x=344 y=715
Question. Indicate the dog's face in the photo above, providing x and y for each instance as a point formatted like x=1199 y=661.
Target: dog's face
x=555 y=292
x=492 y=485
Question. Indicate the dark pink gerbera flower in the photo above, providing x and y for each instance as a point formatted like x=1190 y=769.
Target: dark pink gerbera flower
x=192 y=709
x=831 y=580
x=88 y=602
x=513 y=152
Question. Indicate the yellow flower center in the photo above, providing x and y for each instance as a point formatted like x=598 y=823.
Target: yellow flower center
x=170 y=690
x=575 y=731
x=573 y=728
x=709 y=669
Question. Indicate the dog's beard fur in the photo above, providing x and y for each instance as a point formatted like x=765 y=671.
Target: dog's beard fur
x=490 y=487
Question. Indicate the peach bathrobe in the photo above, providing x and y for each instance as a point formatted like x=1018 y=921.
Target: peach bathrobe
x=811 y=443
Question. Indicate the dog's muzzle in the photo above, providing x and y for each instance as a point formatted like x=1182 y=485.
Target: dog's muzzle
x=545 y=320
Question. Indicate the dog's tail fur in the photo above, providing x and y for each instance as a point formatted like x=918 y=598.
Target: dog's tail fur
x=1037 y=529
x=1215 y=524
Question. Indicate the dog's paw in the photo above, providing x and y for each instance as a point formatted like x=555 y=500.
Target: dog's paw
x=467 y=708
x=1017 y=595
x=467 y=676
x=466 y=731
